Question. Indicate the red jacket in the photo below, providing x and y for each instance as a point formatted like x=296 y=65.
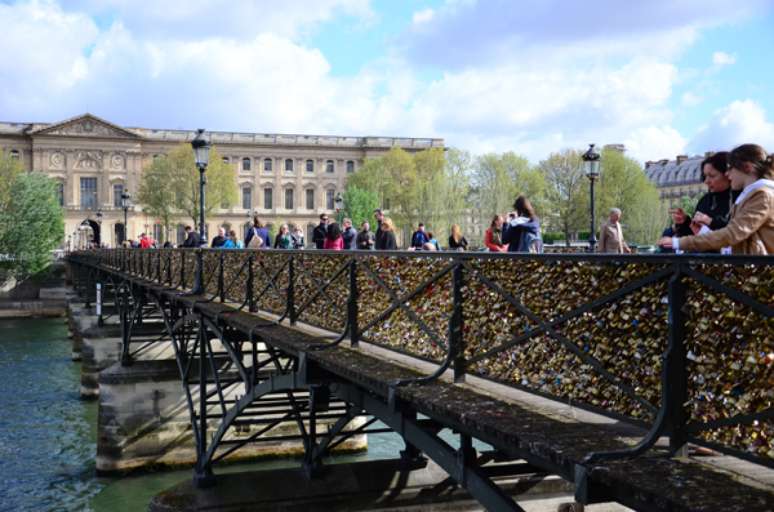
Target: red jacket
x=146 y=243
x=336 y=245
x=492 y=246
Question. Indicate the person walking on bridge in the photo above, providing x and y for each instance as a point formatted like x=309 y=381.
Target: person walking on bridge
x=611 y=237
x=191 y=239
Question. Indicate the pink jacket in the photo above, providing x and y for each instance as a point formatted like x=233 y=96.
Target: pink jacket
x=336 y=245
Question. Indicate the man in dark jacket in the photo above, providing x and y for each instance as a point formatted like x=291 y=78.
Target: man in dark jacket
x=318 y=235
x=365 y=238
x=349 y=234
x=191 y=238
x=419 y=238
x=220 y=239
x=379 y=237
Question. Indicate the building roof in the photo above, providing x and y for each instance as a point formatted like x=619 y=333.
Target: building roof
x=168 y=135
x=681 y=171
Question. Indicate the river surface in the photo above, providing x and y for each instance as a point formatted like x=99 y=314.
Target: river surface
x=48 y=434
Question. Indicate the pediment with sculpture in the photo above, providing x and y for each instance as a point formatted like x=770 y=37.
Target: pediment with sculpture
x=87 y=126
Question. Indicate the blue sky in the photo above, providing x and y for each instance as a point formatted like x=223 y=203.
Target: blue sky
x=664 y=77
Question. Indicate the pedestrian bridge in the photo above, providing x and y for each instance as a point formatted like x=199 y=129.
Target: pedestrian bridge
x=605 y=370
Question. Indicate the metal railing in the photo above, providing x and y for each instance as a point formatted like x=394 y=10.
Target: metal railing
x=683 y=345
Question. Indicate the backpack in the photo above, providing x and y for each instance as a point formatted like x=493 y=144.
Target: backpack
x=256 y=242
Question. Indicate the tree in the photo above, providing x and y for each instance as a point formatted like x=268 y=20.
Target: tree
x=155 y=194
x=566 y=192
x=31 y=220
x=420 y=187
x=623 y=184
x=359 y=204
x=10 y=168
x=179 y=179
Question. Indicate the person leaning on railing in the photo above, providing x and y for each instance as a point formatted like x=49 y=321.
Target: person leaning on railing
x=751 y=228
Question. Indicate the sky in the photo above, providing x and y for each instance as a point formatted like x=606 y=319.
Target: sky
x=663 y=77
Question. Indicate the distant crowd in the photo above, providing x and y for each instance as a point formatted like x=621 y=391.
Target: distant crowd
x=735 y=216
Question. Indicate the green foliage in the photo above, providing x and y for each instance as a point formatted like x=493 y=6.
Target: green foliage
x=170 y=186
x=422 y=187
x=359 y=205
x=688 y=203
x=566 y=193
x=623 y=184
x=31 y=221
x=10 y=168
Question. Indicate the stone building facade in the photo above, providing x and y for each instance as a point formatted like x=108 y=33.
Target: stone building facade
x=677 y=178
x=281 y=178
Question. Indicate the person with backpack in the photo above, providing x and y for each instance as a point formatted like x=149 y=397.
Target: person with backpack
x=258 y=236
x=522 y=230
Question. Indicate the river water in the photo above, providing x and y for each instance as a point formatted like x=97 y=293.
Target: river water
x=48 y=434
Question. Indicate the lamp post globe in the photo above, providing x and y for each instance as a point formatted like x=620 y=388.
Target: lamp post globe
x=591 y=168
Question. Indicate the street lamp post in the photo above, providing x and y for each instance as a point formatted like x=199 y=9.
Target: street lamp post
x=591 y=160
x=201 y=149
x=125 y=199
x=99 y=223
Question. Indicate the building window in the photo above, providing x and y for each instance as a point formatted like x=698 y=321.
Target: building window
x=310 y=166
x=88 y=193
x=310 y=199
x=246 y=164
x=288 y=165
x=329 y=167
x=247 y=198
x=289 y=199
x=118 y=191
x=329 y=197
x=157 y=235
x=60 y=193
x=225 y=159
x=268 y=198
x=350 y=166
x=15 y=154
x=267 y=164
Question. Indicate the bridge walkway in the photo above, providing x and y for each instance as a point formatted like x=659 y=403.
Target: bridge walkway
x=550 y=436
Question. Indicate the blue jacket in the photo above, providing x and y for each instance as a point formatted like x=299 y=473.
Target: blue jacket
x=418 y=239
x=262 y=232
x=521 y=236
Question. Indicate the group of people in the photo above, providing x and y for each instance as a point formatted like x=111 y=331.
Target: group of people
x=735 y=216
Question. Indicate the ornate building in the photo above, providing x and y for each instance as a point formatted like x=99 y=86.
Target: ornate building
x=677 y=178
x=281 y=178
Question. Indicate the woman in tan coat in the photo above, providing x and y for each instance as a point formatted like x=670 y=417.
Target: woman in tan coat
x=751 y=228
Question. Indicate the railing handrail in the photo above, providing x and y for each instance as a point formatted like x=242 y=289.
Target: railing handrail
x=675 y=271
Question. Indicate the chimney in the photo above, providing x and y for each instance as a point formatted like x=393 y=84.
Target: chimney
x=649 y=163
x=621 y=148
x=681 y=159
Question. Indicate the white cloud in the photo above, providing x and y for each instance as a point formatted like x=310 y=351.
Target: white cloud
x=690 y=99
x=423 y=16
x=739 y=122
x=723 y=59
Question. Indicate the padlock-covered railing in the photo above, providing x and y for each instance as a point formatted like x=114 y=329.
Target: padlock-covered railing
x=683 y=345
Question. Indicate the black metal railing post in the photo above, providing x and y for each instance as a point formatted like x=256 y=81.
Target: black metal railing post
x=126 y=359
x=182 y=270
x=456 y=338
x=250 y=294
x=203 y=476
x=675 y=365
x=221 y=283
x=352 y=307
x=198 y=286
x=158 y=266
x=291 y=295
